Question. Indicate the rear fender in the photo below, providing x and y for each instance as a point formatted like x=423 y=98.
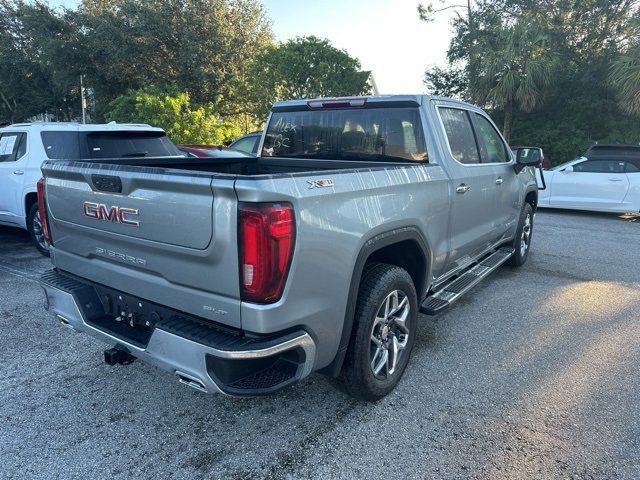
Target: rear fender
x=371 y=246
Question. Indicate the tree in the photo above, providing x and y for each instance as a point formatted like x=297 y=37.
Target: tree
x=306 y=67
x=446 y=82
x=515 y=71
x=38 y=69
x=172 y=111
x=204 y=47
x=582 y=104
x=625 y=76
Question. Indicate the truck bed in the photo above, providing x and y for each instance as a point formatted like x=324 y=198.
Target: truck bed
x=251 y=166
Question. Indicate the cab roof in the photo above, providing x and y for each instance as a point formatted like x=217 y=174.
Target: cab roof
x=370 y=101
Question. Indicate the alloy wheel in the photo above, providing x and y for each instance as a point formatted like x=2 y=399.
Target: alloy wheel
x=526 y=236
x=389 y=334
x=38 y=233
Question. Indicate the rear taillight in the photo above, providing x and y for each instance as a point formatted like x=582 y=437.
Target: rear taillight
x=266 y=237
x=42 y=209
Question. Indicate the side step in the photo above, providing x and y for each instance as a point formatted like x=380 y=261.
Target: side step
x=449 y=293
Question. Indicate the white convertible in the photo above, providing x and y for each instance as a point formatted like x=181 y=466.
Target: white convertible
x=606 y=179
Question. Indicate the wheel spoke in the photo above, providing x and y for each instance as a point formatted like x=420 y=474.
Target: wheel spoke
x=380 y=360
x=394 y=302
x=401 y=320
x=394 y=356
x=387 y=307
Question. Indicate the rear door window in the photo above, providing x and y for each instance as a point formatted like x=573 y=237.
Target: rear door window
x=492 y=148
x=462 y=141
x=632 y=167
x=8 y=146
x=22 y=146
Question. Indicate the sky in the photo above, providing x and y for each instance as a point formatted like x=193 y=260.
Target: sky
x=387 y=36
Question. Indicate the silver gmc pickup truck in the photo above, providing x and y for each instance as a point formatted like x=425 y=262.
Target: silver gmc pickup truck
x=243 y=276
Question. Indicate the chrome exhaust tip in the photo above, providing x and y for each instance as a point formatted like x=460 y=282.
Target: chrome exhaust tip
x=190 y=381
x=65 y=322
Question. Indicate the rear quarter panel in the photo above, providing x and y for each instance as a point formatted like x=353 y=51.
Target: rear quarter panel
x=333 y=224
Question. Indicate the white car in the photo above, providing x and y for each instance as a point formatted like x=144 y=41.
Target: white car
x=24 y=146
x=607 y=179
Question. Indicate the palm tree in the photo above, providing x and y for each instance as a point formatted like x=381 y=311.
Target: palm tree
x=625 y=78
x=515 y=68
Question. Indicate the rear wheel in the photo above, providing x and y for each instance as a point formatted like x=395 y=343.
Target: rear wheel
x=384 y=333
x=34 y=225
x=522 y=242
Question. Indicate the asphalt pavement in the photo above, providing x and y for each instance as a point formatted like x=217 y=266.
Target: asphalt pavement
x=535 y=374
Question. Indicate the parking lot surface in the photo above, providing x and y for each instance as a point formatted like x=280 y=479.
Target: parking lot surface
x=535 y=374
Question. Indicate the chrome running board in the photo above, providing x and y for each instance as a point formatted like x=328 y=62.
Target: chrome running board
x=456 y=288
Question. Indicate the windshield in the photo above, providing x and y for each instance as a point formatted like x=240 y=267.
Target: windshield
x=387 y=134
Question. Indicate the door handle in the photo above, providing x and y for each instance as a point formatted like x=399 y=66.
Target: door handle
x=462 y=188
x=615 y=179
x=18 y=172
x=499 y=181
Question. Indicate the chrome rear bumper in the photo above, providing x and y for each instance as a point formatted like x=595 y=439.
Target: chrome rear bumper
x=192 y=362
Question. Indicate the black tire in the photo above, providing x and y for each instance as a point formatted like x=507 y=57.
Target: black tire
x=357 y=377
x=524 y=234
x=35 y=230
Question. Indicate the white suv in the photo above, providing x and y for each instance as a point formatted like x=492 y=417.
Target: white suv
x=24 y=146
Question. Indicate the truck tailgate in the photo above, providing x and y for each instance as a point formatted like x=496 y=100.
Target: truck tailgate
x=167 y=236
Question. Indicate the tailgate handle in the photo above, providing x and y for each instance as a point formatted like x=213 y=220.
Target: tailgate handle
x=107 y=183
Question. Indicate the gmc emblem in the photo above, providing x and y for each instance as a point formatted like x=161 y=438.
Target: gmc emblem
x=114 y=214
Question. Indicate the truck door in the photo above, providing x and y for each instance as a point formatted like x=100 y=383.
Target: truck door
x=473 y=219
x=495 y=154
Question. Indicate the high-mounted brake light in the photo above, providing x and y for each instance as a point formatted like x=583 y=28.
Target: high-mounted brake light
x=267 y=237
x=338 y=103
x=42 y=209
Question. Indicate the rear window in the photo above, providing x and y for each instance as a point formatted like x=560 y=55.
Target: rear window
x=130 y=144
x=61 y=145
x=113 y=144
x=386 y=134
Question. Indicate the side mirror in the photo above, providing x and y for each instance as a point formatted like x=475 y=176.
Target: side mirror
x=568 y=169
x=528 y=157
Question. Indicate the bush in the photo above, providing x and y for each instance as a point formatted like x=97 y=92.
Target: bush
x=172 y=111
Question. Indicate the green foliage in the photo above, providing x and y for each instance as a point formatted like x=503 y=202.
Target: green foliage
x=306 y=67
x=220 y=51
x=625 y=77
x=515 y=70
x=172 y=111
x=593 y=75
x=205 y=47
x=38 y=73
x=447 y=82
